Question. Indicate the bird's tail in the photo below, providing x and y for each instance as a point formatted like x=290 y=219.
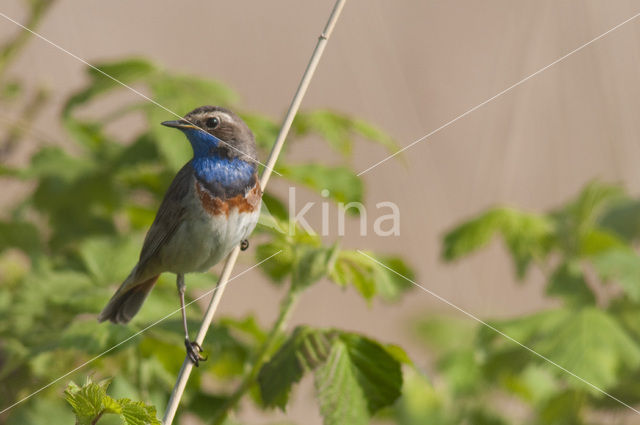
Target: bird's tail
x=127 y=300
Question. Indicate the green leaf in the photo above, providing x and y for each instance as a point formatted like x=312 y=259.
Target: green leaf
x=341 y=399
x=623 y=220
x=53 y=161
x=90 y=402
x=578 y=218
x=41 y=410
x=378 y=373
x=312 y=264
x=303 y=351
x=462 y=371
x=622 y=266
x=355 y=376
x=374 y=134
x=594 y=199
x=568 y=282
x=207 y=406
x=137 y=413
x=527 y=236
x=20 y=234
x=126 y=71
x=596 y=241
x=391 y=286
x=110 y=259
x=350 y=269
x=338 y=130
x=534 y=384
x=444 y=333
x=274 y=206
x=420 y=403
x=278 y=267
x=369 y=277
x=588 y=342
x=341 y=182
x=359 y=378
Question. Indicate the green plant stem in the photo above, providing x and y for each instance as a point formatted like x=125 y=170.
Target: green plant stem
x=37 y=10
x=97 y=418
x=24 y=125
x=286 y=309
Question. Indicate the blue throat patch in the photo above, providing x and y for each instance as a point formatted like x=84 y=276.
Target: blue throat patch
x=210 y=167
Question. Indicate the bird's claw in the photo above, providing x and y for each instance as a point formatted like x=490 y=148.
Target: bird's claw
x=244 y=244
x=193 y=351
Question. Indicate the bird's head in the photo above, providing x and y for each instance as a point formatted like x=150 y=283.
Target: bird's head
x=213 y=130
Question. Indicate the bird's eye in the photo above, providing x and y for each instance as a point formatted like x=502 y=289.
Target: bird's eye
x=212 y=122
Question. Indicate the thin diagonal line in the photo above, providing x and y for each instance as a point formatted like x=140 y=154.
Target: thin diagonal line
x=124 y=85
x=560 y=59
x=477 y=319
x=135 y=334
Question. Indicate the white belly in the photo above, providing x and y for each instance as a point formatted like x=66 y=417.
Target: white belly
x=203 y=240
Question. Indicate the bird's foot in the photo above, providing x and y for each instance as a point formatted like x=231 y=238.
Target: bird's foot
x=244 y=245
x=193 y=351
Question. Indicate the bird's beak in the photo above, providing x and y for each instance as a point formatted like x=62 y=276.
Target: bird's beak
x=180 y=124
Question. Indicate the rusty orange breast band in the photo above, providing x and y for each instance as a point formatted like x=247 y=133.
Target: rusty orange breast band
x=216 y=206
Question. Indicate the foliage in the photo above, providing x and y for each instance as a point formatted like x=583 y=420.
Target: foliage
x=586 y=252
x=354 y=376
x=77 y=231
x=91 y=402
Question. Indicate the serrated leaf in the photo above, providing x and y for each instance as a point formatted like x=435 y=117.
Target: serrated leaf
x=527 y=236
x=359 y=378
x=341 y=399
x=312 y=264
x=587 y=342
x=369 y=277
x=378 y=373
x=305 y=349
x=137 y=413
x=90 y=402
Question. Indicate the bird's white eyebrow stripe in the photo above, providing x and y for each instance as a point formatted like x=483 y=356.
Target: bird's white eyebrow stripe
x=78 y=58
x=226 y=116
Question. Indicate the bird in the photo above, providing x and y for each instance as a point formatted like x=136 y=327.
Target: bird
x=211 y=206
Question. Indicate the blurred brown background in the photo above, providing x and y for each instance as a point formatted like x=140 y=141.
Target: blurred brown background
x=409 y=67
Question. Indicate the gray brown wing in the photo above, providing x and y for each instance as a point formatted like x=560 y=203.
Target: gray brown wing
x=170 y=214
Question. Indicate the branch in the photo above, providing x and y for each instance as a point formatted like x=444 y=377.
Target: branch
x=187 y=365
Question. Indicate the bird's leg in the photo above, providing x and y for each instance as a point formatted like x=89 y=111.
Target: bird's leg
x=244 y=245
x=193 y=348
